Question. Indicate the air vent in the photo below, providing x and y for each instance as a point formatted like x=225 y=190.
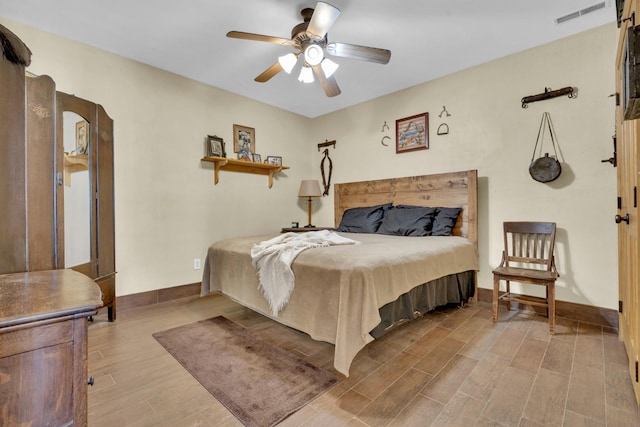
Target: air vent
x=581 y=12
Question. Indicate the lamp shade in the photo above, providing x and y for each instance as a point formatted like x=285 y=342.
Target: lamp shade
x=287 y=62
x=306 y=75
x=328 y=67
x=310 y=188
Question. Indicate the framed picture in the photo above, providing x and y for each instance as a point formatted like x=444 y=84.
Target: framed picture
x=244 y=155
x=412 y=133
x=244 y=138
x=82 y=137
x=274 y=160
x=257 y=158
x=215 y=146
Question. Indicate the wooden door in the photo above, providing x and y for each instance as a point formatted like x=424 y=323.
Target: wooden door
x=41 y=182
x=628 y=140
x=105 y=197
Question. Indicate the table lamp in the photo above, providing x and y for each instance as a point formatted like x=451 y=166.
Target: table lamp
x=309 y=188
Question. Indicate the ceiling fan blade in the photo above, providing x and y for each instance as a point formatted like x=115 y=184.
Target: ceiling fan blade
x=324 y=15
x=258 y=37
x=364 y=53
x=329 y=84
x=269 y=72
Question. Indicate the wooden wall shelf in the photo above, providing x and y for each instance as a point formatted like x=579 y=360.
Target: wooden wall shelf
x=223 y=163
x=74 y=163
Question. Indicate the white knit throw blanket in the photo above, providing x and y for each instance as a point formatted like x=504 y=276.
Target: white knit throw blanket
x=272 y=258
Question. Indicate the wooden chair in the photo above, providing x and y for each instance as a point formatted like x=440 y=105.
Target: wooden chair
x=527 y=258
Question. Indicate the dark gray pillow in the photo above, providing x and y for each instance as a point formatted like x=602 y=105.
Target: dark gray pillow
x=407 y=221
x=444 y=221
x=364 y=219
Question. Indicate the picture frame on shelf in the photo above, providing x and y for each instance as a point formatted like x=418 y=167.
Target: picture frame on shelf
x=215 y=146
x=257 y=158
x=82 y=137
x=244 y=138
x=274 y=160
x=412 y=133
x=245 y=156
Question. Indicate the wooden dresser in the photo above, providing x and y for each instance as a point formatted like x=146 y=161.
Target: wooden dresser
x=43 y=347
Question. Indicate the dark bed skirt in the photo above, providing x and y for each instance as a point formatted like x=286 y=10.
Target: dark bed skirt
x=453 y=289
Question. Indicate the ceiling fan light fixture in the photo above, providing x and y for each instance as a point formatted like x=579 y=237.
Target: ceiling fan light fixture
x=306 y=75
x=309 y=39
x=322 y=19
x=287 y=62
x=313 y=54
x=328 y=67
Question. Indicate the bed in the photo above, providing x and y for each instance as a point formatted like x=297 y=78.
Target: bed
x=347 y=295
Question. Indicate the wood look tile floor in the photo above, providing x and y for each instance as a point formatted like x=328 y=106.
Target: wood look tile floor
x=453 y=367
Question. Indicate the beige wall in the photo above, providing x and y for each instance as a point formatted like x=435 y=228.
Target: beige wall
x=168 y=211
x=490 y=132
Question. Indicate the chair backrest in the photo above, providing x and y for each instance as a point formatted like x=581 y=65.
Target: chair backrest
x=529 y=244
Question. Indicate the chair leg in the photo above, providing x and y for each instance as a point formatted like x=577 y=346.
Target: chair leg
x=508 y=292
x=496 y=291
x=551 y=309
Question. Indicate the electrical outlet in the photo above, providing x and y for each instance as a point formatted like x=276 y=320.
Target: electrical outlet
x=196 y=264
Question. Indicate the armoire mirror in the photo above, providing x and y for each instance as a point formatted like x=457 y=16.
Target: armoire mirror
x=84 y=193
x=77 y=190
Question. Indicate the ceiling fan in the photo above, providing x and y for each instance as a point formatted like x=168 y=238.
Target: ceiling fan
x=309 y=39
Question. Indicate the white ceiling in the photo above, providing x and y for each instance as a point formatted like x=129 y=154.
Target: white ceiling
x=428 y=39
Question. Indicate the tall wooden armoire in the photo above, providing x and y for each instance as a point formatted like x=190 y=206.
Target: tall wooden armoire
x=27 y=132
x=44 y=305
x=56 y=176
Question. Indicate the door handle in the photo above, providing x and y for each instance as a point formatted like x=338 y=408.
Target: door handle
x=625 y=218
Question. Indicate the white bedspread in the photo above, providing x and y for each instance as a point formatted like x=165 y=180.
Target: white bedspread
x=272 y=258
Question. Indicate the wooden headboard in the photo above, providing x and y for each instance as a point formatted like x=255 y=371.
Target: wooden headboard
x=453 y=189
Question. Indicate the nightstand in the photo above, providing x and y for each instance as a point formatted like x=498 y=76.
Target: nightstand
x=304 y=229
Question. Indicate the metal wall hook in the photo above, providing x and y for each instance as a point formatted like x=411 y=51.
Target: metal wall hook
x=548 y=94
x=444 y=111
x=385 y=126
x=326 y=143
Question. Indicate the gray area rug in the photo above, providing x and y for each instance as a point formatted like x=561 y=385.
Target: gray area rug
x=260 y=383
